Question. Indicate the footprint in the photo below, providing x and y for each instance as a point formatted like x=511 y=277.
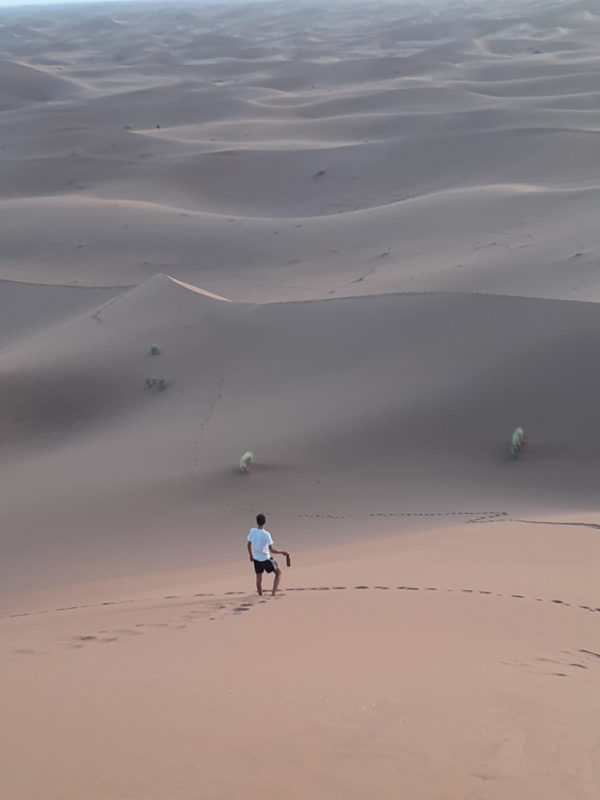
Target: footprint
x=590 y=653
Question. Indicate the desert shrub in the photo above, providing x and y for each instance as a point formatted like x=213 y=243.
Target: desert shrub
x=160 y=384
x=245 y=461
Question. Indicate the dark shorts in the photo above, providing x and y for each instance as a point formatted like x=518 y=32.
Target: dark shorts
x=270 y=565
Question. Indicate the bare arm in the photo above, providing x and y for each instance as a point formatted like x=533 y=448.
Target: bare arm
x=273 y=551
x=250 y=551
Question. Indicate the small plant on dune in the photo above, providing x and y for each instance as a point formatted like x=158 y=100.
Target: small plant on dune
x=154 y=350
x=516 y=442
x=245 y=462
x=158 y=383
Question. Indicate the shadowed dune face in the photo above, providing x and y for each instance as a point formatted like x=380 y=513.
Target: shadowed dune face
x=409 y=400
x=313 y=150
x=26 y=309
x=50 y=403
x=22 y=84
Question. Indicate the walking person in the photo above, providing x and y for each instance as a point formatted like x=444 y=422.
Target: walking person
x=261 y=551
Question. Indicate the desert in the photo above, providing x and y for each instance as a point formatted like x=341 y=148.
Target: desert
x=358 y=242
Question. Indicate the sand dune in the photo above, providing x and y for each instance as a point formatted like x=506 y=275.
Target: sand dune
x=308 y=118
x=367 y=175
x=361 y=241
x=23 y=84
x=26 y=309
x=429 y=417
x=453 y=700
x=387 y=249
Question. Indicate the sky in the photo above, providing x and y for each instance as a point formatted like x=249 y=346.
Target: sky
x=12 y=3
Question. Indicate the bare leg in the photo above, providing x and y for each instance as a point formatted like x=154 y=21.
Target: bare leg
x=259 y=584
x=277 y=579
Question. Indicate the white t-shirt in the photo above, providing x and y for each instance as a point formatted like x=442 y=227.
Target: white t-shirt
x=260 y=539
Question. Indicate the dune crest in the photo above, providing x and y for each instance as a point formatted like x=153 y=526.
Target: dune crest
x=197 y=290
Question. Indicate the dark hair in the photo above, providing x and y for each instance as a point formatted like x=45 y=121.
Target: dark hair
x=260 y=519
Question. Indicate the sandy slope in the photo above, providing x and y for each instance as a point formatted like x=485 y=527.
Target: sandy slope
x=366 y=244
x=462 y=663
x=407 y=399
x=26 y=309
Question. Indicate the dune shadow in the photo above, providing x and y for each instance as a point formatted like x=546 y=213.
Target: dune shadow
x=261 y=469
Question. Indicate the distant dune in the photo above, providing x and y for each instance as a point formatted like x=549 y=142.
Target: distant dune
x=272 y=136
x=22 y=84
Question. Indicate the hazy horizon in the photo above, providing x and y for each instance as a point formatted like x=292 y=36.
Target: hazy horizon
x=19 y=3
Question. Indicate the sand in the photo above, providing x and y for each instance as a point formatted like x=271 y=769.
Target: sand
x=363 y=239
